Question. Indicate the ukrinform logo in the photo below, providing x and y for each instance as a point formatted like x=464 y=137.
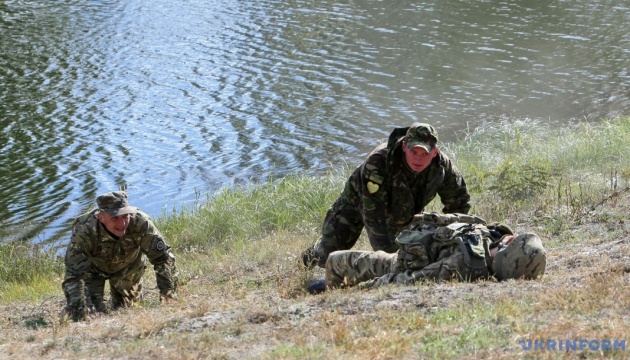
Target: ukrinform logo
x=576 y=344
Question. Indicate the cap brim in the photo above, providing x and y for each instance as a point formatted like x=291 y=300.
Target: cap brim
x=412 y=144
x=122 y=211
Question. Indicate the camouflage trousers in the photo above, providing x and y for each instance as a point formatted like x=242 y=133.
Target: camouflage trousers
x=125 y=287
x=351 y=267
x=341 y=230
x=378 y=268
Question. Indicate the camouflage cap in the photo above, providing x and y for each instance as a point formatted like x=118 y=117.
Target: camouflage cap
x=423 y=135
x=115 y=203
x=525 y=257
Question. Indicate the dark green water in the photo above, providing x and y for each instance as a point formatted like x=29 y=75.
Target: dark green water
x=172 y=98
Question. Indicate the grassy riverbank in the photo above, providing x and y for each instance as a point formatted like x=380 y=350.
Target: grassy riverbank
x=242 y=292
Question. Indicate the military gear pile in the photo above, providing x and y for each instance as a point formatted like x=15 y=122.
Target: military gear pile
x=431 y=234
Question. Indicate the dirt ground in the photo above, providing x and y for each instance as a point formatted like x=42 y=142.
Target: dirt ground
x=253 y=322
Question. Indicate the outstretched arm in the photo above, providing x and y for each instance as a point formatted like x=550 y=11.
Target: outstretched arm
x=162 y=259
x=454 y=192
x=77 y=266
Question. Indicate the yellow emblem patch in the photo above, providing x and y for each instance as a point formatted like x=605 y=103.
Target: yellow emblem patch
x=372 y=187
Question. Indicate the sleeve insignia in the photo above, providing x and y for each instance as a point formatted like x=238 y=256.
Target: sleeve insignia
x=157 y=244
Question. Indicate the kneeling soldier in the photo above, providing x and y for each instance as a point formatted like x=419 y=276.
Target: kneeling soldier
x=113 y=243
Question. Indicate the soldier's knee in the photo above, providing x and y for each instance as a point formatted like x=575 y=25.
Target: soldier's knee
x=384 y=245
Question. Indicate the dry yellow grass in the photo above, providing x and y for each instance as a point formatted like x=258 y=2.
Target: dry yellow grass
x=252 y=304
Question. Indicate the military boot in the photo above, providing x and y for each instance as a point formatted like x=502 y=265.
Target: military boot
x=316 y=287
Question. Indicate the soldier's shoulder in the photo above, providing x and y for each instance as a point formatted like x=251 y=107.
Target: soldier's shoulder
x=140 y=222
x=443 y=158
x=378 y=156
x=141 y=215
x=86 y=221
x=379 y=150
x=445 y=162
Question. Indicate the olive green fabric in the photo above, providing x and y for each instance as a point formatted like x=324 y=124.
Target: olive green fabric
x=423 y=135
x=115 y=203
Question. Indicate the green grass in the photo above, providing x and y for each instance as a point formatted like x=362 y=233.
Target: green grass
x=249 y=213
x=27 y=264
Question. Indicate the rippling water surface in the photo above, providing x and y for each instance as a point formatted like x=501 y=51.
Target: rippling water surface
x=172 y=98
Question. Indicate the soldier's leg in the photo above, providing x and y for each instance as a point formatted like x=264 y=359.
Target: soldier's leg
x=348 y=268
x=126 y=286
x=340 y=231
x=381 y=241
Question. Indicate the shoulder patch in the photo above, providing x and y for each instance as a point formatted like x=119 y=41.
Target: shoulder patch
x=157 y=244
x=372 y=187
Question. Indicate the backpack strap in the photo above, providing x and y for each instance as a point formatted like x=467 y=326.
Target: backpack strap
x=446 y=219
x=474 y=248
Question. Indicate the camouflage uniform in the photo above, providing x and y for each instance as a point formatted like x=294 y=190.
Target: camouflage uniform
x=94 y=255
x=383 y=195
x=523 y=257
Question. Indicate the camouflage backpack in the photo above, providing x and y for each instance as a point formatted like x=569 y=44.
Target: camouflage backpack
x=432 y=233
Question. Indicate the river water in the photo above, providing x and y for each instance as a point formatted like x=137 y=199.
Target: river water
x=178 y=98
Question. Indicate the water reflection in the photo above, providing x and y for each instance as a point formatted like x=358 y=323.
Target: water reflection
x=174 y=97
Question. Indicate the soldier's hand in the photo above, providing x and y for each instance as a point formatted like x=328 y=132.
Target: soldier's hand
x=167 y=297
x=366 y=285
x=74 y=314
x=309 y=258
x=96 y=314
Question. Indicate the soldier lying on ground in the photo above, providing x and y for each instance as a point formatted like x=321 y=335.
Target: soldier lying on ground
x=397 y=180
x=441 y=248
x=112 y=243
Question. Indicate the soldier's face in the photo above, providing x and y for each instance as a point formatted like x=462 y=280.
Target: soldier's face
x=418 y=158
x=505 y=240
x=116 y=225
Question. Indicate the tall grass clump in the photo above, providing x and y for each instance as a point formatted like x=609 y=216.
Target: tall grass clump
x=527 y=164
x=24 y=262
x=254 y=211
x=26 y=265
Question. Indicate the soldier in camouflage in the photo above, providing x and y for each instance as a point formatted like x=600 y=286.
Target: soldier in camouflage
x=113 y=243
x=398 y=179
x=445 y=253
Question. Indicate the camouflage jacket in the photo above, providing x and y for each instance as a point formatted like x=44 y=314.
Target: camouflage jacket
x=459 y=251
x=388 y=193
x=93 y=249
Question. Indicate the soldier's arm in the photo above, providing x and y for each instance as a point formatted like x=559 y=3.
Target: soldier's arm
x=162 y=259
x=77 y=266
x=374 y=196
x=454 y=192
